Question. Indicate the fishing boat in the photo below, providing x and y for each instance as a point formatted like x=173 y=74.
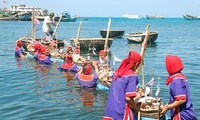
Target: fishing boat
x=66 y=17
x=191 y=17
x=28 y=40
x=97 y=43
x=138 y=37
x=112 y=33
x=7 y=18
x=24 y=16
x=131 y=16
x=157 y=16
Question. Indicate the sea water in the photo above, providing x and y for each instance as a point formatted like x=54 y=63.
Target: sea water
x=30 y=92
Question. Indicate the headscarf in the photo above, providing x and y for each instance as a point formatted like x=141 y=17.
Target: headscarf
x=173 y=65
x=69 y=59
x=128 y=63
x=87 y=69
x=19 y=43
x=37 y=46
x=42 y=49
x=77 y=50
x=102 y=52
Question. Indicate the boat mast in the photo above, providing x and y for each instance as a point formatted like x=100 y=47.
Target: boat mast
x=106 y=42
x=78 y=34
x=107 y=35
x=33 y=25
x=56 y=28
x=142 y=53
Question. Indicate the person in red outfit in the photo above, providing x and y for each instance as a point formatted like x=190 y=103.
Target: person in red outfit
x=120 y=103
x=86 y=77
x=18 y=49
x=180 y=104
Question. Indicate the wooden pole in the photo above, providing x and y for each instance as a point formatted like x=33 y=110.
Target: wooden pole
x=143 y=49
x=56 y=28
x=107 y=35
x=78 y=34
x=33 y=25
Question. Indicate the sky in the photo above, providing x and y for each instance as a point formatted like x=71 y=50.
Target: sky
x=114 y=8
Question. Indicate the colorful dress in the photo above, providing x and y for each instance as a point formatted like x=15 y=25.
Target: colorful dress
x=116 y=106
x=179 y=89
x=18 y=52
x=87 y=81
x=68 y=68
x=44 y=60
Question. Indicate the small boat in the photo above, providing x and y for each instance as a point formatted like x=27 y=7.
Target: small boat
x=150 y=107
x=112 y=33
x=66 y=17
x=131 y=16
x=7 y=18
x=97 y=43
x=191 y=17
x=157 y=16
x=24 y=16
x=138 y=37
x=27 y=40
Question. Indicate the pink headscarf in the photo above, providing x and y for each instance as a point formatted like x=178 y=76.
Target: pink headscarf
x=128 y=63
x=102 y=52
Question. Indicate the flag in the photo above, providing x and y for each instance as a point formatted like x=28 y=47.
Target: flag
x=157 y=91
x=151 y=82
x=116 y=59
x=158 y=87
x=147 y=91
x=36 y=22
x=94 y=50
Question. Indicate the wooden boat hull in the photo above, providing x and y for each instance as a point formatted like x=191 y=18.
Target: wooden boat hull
x=9 y=18
x=112 y=33
x=138 y=37
x=98 y=43
x=26 y=41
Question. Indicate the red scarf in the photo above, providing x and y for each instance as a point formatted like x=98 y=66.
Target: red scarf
x=87 y=69
x=19 y=43
x=174 y=66
x=127 y=64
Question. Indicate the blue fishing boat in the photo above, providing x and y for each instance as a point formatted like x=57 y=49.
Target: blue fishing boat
x=66 y=17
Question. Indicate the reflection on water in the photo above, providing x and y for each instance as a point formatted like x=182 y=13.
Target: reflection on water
x=87 y=97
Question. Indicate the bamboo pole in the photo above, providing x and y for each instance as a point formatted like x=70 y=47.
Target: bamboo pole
x=107 y=35
x=78 y=34
x=56 y=28
x=33 y=25
x=143 y=49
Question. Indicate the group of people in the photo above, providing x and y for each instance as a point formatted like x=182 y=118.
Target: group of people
x=120 y=103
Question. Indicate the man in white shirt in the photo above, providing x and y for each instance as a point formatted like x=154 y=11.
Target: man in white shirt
x=48 y=21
